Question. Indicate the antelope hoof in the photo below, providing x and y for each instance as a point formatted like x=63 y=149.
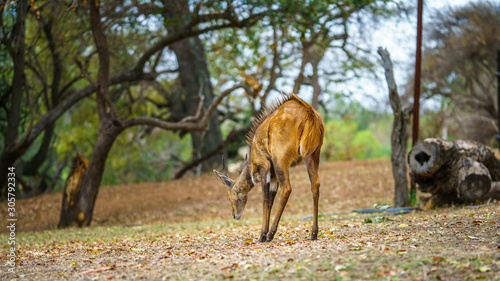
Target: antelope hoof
x=270 y=237
x=262 y=238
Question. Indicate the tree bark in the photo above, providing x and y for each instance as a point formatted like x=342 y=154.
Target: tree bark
x=459 y=171
x=17 y=51
x=398 y=136
x=195 y=78
x=71 y=191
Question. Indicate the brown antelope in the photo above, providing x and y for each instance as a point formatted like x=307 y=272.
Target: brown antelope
x=280 y=138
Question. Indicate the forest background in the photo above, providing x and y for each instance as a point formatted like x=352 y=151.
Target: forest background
x=120 y=81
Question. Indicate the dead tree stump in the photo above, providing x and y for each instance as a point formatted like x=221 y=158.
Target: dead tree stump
x=459 y=171
x=72 y=188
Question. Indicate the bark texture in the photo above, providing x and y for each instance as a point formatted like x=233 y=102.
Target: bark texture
x=398 y=137
x=459 y=171
x=72 y=189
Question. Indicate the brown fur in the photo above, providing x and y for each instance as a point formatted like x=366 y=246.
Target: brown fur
x=281 y=137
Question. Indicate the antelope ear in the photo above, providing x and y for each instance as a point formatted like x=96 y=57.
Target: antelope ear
x=224 y=179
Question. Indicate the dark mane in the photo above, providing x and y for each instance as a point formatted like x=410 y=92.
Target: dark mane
x=264 y=113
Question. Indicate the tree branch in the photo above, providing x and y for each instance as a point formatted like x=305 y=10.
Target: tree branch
x=391 y=83
x=230 y=138
x=181 y=125
x=188 y=32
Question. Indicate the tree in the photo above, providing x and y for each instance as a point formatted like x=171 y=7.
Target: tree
x=84 y=62
x=110 y=125
x=303 y=35
x=147 y=64
x=459 y=62
x=195 y=81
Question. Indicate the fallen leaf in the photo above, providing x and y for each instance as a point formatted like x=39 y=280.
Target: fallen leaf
x=403 y=225
x=98 y=270
x=483 y=269
x=437 y=259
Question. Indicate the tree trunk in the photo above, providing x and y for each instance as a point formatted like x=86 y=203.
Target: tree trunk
x=109 y=128
x=398 y=137
x=195 y=79
x=459 y=171
x=17 y=53
x=72 y=190
x=31 y=167
x=93 y=176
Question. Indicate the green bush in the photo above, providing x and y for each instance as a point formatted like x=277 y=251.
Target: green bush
x=344 y=141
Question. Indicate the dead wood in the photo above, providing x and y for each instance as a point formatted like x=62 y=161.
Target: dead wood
x=459 y=171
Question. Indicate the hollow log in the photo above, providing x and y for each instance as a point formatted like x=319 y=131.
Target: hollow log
x=459 y=171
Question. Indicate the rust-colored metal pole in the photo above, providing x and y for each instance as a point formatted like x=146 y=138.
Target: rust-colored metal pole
x=418 y=66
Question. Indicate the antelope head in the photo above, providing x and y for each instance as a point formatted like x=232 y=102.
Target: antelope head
x=237 y=191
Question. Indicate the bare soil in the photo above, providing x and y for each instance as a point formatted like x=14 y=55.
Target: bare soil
x=182 y=230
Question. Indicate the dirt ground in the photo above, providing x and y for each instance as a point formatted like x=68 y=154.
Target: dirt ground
x=182 y=230
x=344 y=186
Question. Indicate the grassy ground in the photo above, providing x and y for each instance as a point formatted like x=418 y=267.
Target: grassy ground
x=181 y=230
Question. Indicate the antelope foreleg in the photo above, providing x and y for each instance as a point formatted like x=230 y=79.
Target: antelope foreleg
x=312 y=164
x=267 y=202
x=284 y=183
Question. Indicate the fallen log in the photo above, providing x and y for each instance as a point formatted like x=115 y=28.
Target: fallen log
x=459 y=171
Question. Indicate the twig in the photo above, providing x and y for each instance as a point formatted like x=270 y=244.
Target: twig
x=98 y=270
x=200 y=109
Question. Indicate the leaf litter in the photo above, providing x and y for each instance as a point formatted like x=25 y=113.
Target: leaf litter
x=449 y=243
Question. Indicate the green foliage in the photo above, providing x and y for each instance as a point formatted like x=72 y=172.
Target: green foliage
x=233 y=55
x=344 y=141
x=139 y=158
x=458 y=66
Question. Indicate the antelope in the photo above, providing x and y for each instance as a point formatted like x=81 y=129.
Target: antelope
x=279 y=138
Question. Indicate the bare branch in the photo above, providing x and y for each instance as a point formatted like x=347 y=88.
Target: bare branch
x=200 y=109
x=391 y=83
x=188 y=32
x=186 y=126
